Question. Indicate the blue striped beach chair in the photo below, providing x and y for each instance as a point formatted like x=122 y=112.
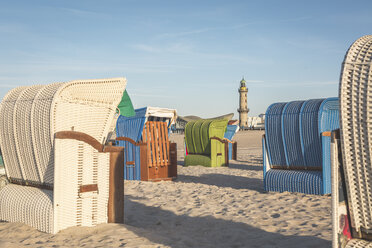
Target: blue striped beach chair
x=296 y=145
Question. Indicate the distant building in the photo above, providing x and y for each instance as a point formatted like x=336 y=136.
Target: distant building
x=243 y=105
x=256 y=122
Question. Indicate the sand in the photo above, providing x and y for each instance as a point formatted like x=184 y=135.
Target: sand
x=204 y=207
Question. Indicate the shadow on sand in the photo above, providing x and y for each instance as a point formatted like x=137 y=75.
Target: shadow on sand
x=245 y=166
x=167 y=228
x=220 y=180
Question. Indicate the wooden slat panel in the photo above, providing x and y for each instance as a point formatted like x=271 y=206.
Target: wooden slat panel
x=163 y=145
x=159 y=144
x=166 y=142
x=152 y=135
x=156 y=144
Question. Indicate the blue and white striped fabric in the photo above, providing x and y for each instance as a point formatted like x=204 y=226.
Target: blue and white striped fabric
x=131 y=153
x=302 y=125
x=310 y=136
x=307 y=182
x=273 y=130
x=290 y=134
x=131 y=127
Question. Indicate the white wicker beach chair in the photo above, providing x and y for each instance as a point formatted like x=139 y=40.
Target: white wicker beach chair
x=352 y=172
x=52 y=139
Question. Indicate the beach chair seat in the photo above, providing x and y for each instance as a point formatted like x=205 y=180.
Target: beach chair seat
x=59 y=172
x=294 y=181
x=205 y=143
x=296 y=146
x=196 y=159
x=352 y=151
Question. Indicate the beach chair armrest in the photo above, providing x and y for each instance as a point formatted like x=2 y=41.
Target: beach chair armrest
x=116 y=179
x=81 y=137
x=129 y=140
x=219 y=150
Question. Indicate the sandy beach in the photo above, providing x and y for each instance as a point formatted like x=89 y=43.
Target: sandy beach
x=204 y=207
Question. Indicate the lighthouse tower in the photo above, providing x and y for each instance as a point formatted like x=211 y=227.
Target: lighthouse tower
x=243 y=105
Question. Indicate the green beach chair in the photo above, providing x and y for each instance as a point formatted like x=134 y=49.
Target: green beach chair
x=205 y=143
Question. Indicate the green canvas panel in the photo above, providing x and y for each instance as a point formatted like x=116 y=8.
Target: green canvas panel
x=188 y=137
x=125 y=106
x=217 y=128
x=206 y=142
x=196 y=136
x=194 y=159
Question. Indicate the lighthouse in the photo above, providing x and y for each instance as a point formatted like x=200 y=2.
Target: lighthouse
x=243 y=105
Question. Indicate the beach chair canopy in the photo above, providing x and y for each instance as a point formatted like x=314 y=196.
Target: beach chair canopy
x=294 y=140
x=54 y=170
x=132 y=127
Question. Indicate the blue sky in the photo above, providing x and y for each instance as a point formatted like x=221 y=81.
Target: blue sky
x=187 y=55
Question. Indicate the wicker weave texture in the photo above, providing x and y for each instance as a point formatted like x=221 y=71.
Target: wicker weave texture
x=28 y=205
x=8 y=142
x=359 y=243
x=83 y=166
x=356 y=119
x=33 y=114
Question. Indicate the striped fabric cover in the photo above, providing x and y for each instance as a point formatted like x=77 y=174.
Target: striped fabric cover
x=300 y=135
x=31 y=117
x=307 y=182
x=310 y=137
x=290 y=130
x=132 y=128
x=273 y=131
x=229 y=134
x=356 y=112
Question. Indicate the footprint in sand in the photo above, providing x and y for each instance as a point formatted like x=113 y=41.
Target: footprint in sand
x=275 y=215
